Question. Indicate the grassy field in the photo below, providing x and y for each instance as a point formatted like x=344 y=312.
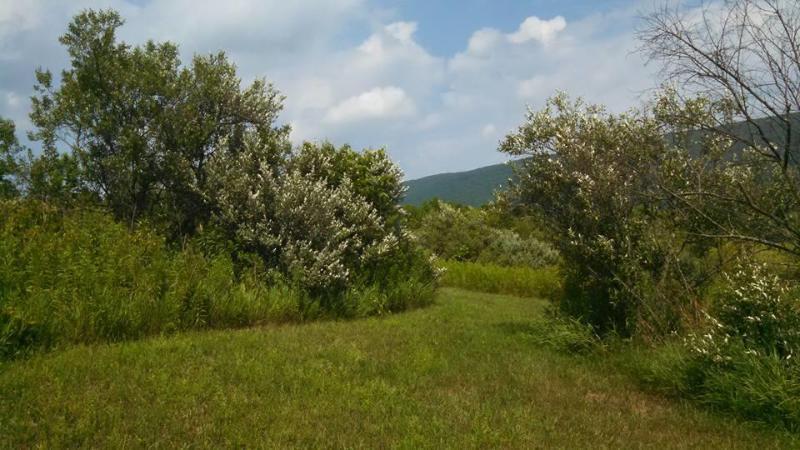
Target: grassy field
x=463 y=373
x=543 y=282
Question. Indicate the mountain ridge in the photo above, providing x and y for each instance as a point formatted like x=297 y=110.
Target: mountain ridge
x=474 y=187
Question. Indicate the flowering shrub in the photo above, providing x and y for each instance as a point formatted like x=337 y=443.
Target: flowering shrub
x=591 y=176
x=757 y=313
x=746 y=358
x=319 y=217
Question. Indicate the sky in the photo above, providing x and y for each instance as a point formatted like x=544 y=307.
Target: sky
x=436 y=83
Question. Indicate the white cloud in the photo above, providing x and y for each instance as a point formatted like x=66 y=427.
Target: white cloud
x=379 y=103
x=534 y=28
x=483 y=40
x=316 y=93
x=15 y=16
x=402 y=31
x=430 y=121
x=13 y=100
x=489 y=130
x=533 y=87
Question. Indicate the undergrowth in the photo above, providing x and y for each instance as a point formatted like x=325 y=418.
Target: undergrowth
x=520 y=281
x=80 y=277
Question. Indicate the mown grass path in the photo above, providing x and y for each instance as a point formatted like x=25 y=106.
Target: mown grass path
x=463 y=373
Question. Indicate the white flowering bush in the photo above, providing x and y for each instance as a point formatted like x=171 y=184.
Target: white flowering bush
x=325 y=219
x=321 y=234
x=756 y=313
x=591 y=176
x=746 y=357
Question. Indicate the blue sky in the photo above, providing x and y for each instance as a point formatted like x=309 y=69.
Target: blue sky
x=438 y=83
x=446 y=25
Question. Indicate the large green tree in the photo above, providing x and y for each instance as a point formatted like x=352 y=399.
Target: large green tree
x=143 y=126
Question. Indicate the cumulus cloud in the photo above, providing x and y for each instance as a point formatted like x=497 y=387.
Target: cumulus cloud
x=536 y=29
x=402 y=31
x=483 y=41
x=379 y=103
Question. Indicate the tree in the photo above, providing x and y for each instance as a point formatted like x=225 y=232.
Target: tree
x=583 y=173
x=596 y=181
x=9 y=154
x=143 y=128
x=735 y=61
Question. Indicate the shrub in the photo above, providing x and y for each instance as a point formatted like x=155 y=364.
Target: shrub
x=745 y=359
x=759 y=309
x=507 y=248
x=322 y=218
x=9 y=155
x=761 y=388
x=454 y=233
x=489 y=235
x=80 y=277
x=600 y=184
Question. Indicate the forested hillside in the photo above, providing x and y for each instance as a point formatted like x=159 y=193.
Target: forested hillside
x=473 y=187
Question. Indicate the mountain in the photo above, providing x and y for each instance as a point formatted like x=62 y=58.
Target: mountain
x=473 y=187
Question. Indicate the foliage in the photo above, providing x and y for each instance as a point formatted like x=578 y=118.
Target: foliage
x=648 y=208
x=761 y=388
x=487 y=235
x=521 y=281
x=461 y=374
x=742 y=56
x=636 y=202
x=373 y=176
x=141 y=128
x=757 y=313
x=454 y=233
x=721 y=188
x=9 y=154
x=80 y=277
x=54 y=177
x=324 y=216
x=743 y=359
x=507 y=248
x=188 y=153
x=593 y=178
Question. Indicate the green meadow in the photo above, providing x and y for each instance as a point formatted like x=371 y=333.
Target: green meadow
x=470 y=371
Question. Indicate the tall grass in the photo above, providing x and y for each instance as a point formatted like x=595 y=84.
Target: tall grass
x=520 y=281
x=81 y=277
x=760 y=388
